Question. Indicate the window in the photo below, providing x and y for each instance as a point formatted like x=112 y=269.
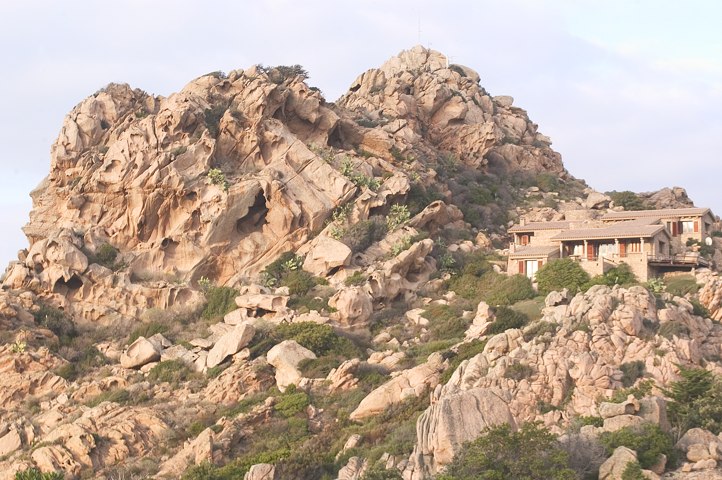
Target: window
x=607 y=250
x=531 y=267
x=688 y=226
x=524 y=239
x=634 y=247
x=579 y=250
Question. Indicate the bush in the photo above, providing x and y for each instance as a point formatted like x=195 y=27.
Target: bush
x=105 y=255
x=299 y=282
x=648 y=440
x=639 y=391
x=445 y=322
x=320 y=339
x=171 y=371
x=506 y=318
x=631 y=371
x=212 y=117
x=629 y=200
x=35 y=474
x=681 y=285
x=619 y=275
x=221 y=300
x=398 y=216
x=148 y=330
x=669 y=330
x=633 y=471
x=57 y=322
x=360 y=236
x=379 y=472
x=540 y=328
x=531 y=453
x=560 y=274
x=81 y=363
x=118 y=395
x=358 y=278
x=699 y=309
x=291 y=403
x=492 y=287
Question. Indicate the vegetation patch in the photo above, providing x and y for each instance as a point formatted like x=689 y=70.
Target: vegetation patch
x=220 y=301
x=560 y=274
x=648 y=440
x=57 y=322
x=506 y=318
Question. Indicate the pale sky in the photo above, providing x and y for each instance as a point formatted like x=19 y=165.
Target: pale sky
x=630 y=91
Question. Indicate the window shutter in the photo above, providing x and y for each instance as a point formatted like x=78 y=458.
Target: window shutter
x=623 y=249
x=521 y=267
x=674 y=228
x=540 y=263
x=696 y=226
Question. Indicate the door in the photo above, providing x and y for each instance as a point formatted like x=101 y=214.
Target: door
x=590 y=251
x=622 y=249
x=531 y=267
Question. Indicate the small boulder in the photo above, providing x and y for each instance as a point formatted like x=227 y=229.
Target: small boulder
x=285 y=358
x=613 y=467
x=325 y=255
x=139 y=353
x=261 y=471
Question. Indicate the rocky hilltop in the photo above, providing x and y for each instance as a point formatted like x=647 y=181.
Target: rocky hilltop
x=243 y=280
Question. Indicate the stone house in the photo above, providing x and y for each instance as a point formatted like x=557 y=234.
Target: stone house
x=651 y=242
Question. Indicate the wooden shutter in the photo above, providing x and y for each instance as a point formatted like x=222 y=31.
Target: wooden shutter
x=623 y=249
x=696 y=226
x=521 y=267
x=590 y=251
x=540 y=263
x=674 y=228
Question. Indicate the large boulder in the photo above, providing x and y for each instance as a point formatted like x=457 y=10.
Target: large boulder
x=325 y=255
x=353 y=306
x=230 y=343
x=285 y=357
x=613 y=467
x=261 y=471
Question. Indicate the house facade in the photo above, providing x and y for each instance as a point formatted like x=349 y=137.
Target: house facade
x=651 y=242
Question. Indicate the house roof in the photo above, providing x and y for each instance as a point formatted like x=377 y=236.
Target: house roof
x=534 y=226
x=617 y=230
x=664 y=213
x=536 y=251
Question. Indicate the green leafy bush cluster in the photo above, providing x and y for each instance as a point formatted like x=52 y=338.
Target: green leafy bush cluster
x=398 y=216
x=106 y=256
x=361 y=235
x=147 y=330
x=320 y=339
x=220 y=301
x=57 y=322
x=518 y=371
x=218 y=178
x=171 y=371
x=445 y=321
x=286 y=271
x=648 y=440
x=357 y=278
x=35 y=474
x=631 y=371
x=674 y=328
x=506 y=318
x=639 y=391
x=281 y=73
x=530 y=453
x=629 y=200
x=622 y=275
x=360 y=180
x=478 y=281
x=81 y=363
x=118 y=395
x=291 y=403
x=560 y=274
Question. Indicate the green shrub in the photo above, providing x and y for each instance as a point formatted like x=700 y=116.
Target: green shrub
x=299 y=282
x=648 y=440
x=398 y=216
x=629 y=200
x=619 y=275
x=379 y=472
x=531 y=453
x=674 y=328
x=532 y=307
x=633 y=471
x=118 y=395
x=221 y=300
x=506 y=318
x=548 y=182
x=560 y=274
x=681 y=285
x=171 y=371
x=540 y=328
x=358 y=278
x=591 y=420
x=82 y=363
x=641 y=390
x=631 y=371
x=319 y=367
x=360 y=236
x=445 y=321
x=320 y=339
x=147 y=330
x=105 y=255
x=291 y=403
x=57 y=322
x=35 y=474
x=212 y=117
x=699 y=309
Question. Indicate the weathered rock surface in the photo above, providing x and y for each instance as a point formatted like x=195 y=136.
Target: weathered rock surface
x=230 y=343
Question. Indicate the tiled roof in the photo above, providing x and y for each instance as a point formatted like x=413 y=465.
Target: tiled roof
x=534 y=226
x=534 y=251
x=664 y=213
x=617 y=230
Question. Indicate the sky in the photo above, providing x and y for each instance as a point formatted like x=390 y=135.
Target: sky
x=630 y=91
